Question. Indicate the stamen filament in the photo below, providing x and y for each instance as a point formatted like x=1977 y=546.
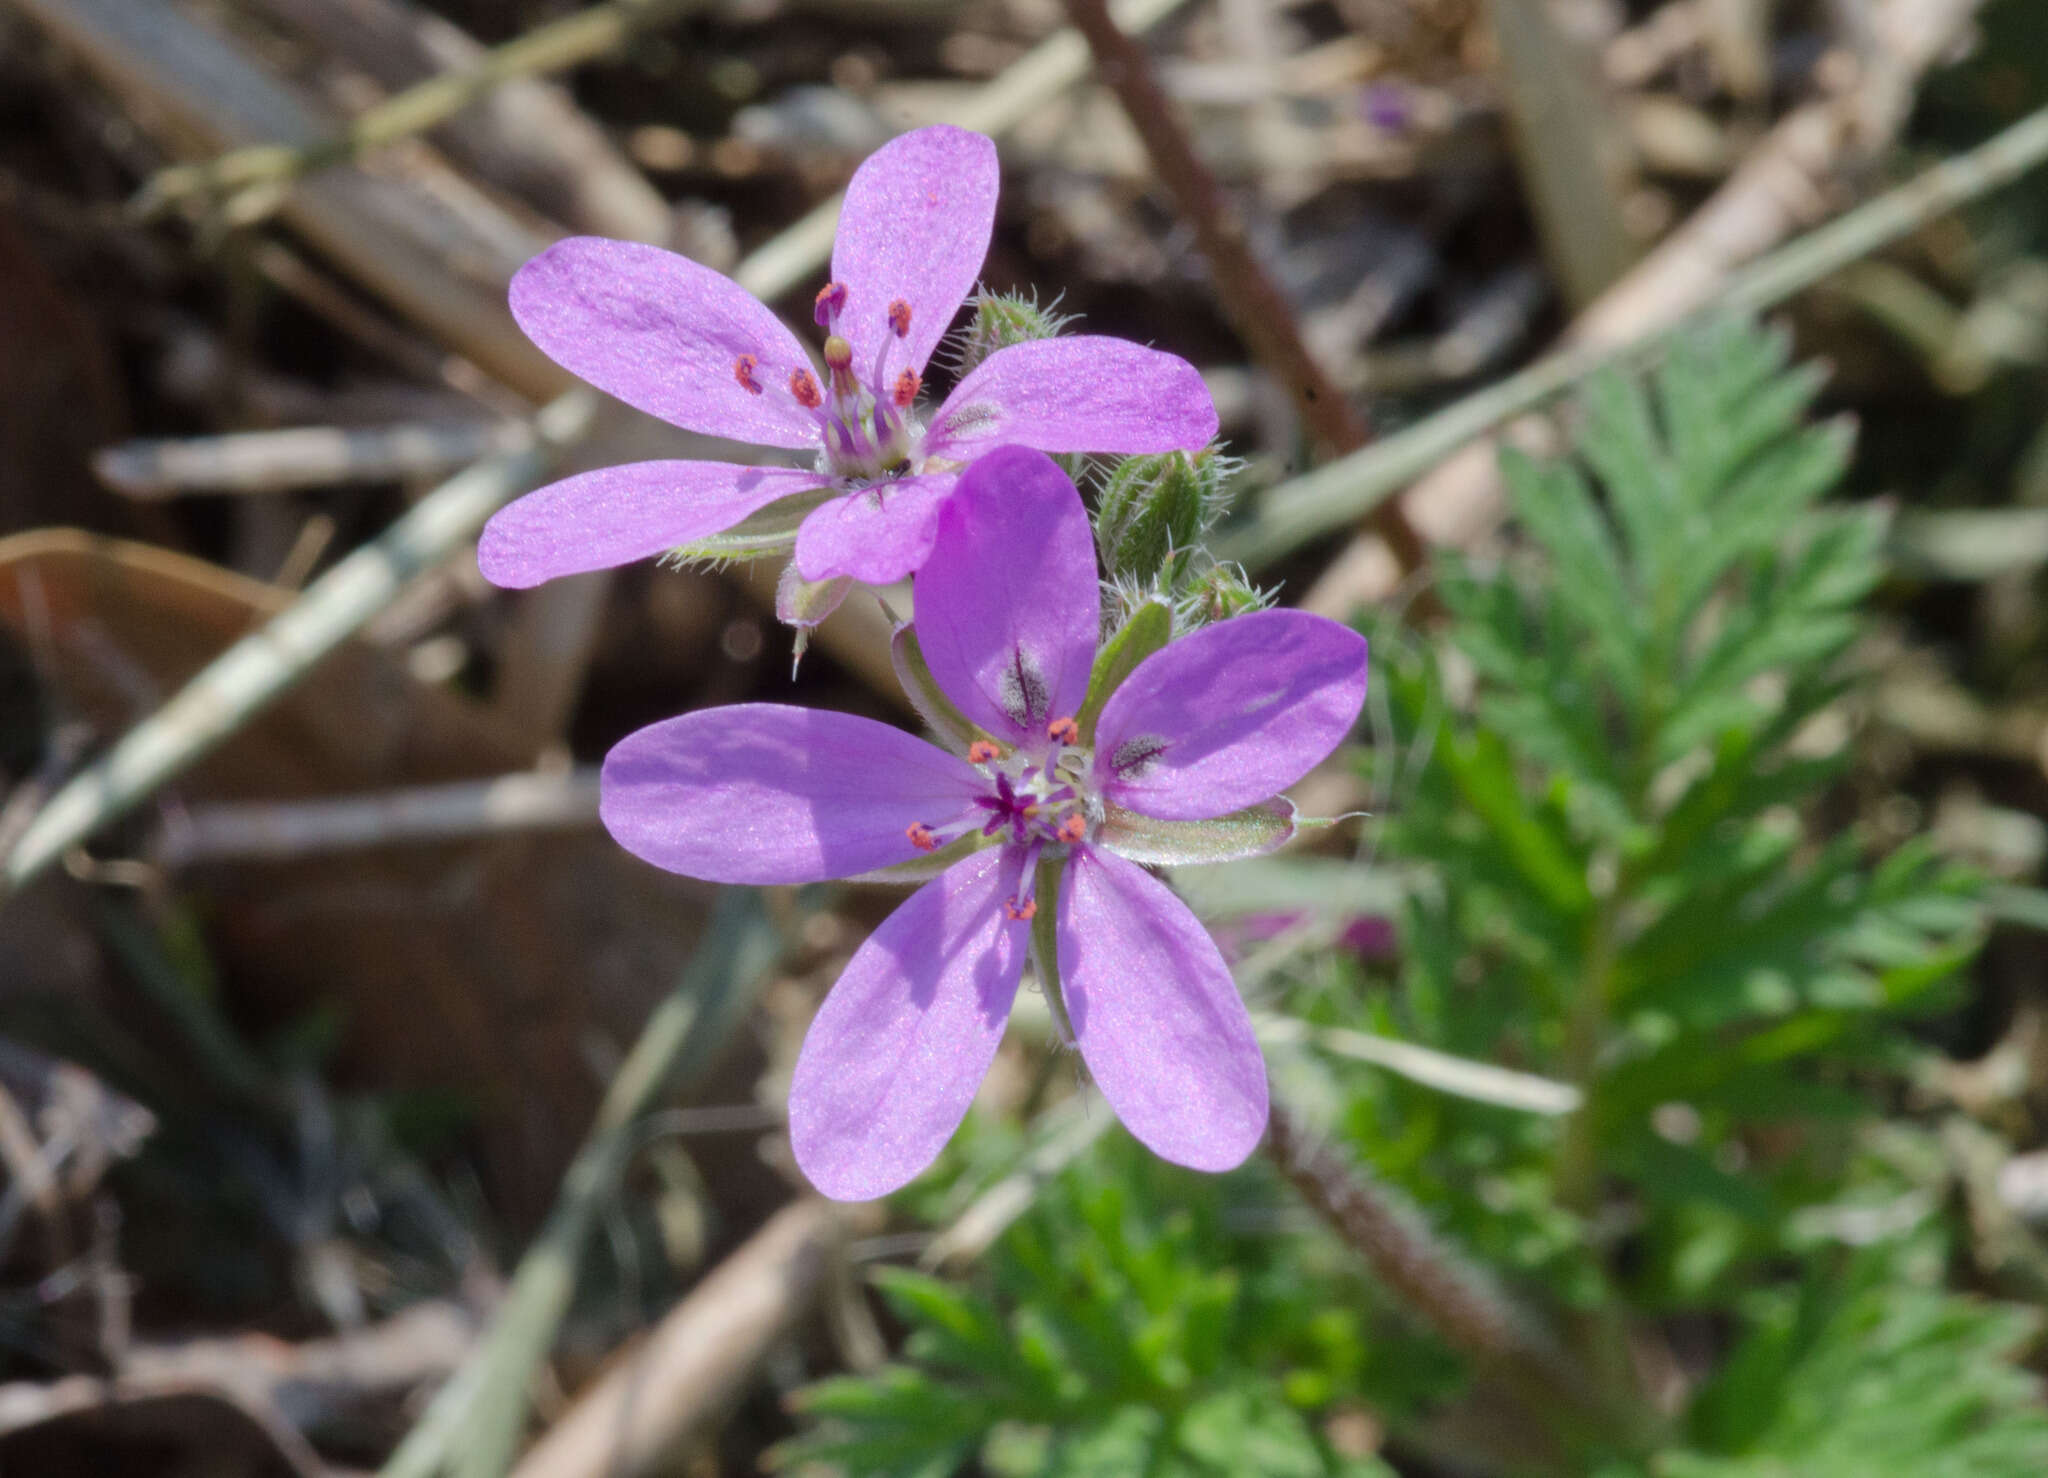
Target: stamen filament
x=1023 y=904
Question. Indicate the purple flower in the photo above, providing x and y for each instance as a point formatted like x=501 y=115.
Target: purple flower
x=1387 y=106
x=1209 y=727
x=681 y=342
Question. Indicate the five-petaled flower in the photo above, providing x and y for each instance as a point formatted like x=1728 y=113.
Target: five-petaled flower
x=683 y=343
x=1007 y=612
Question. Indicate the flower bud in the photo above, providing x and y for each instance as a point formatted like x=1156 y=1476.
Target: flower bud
x=1153 y=511
x=1216 y=594
x=1001 y=320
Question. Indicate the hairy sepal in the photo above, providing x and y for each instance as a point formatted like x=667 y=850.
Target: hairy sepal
x=1251 y=832
x=762 y=535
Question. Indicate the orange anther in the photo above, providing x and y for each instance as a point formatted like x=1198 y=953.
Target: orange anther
x=743 y=371
x=1024 y=909
x=1074 y=828
x=899 y=318
x=804 y=386
x=921 y=837
x=982 y=752
x=1063 y=731
x=831 y=298
x=906 y=387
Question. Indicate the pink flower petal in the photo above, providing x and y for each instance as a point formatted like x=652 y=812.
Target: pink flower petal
x=896 y=1053
x=914 y=229
x=666 y=336
x=615 y=515
x=1231 y=715
x=1156 y=1015
x=762 y=793
x=878 y=535
x=1080 y=394
x=1007 y=604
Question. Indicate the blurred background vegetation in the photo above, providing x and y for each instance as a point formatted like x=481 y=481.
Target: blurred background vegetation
x=1661 y=1059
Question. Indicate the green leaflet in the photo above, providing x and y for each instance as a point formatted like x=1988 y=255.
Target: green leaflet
x=1145 y=632
x=1603 y=794
x=1111 y=1340
x=1860 y=1374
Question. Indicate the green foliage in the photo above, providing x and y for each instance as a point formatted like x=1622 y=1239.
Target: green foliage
x=1610 y=827
x=1858 y=1373
x=1617 y=835
x=1111 y=1335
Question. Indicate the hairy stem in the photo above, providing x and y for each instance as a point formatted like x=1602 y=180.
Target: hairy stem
x=1451 y=1297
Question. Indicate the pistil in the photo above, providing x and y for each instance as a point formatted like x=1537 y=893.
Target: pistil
x=865 y=422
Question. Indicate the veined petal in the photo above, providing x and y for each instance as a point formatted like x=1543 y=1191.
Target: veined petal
x=667 y=336
x=1156 y=1015
x=615 y=515
x=878 y=535
x=1007 y=604
x=914 y=229
x=1231 y=715
x=763 y=793
x=897 y=1051
x=1081 y=394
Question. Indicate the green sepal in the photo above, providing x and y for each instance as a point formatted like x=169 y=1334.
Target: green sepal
x=1045 y=942
x=953 y=727
x=1149 y=628
x=1252 y=832
x=762 y=534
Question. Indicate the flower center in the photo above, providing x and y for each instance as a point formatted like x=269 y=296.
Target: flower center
x=864 y=418
x=1038 y=797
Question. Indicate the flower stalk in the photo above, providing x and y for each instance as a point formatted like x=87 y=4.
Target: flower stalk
x=1454 y=1299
